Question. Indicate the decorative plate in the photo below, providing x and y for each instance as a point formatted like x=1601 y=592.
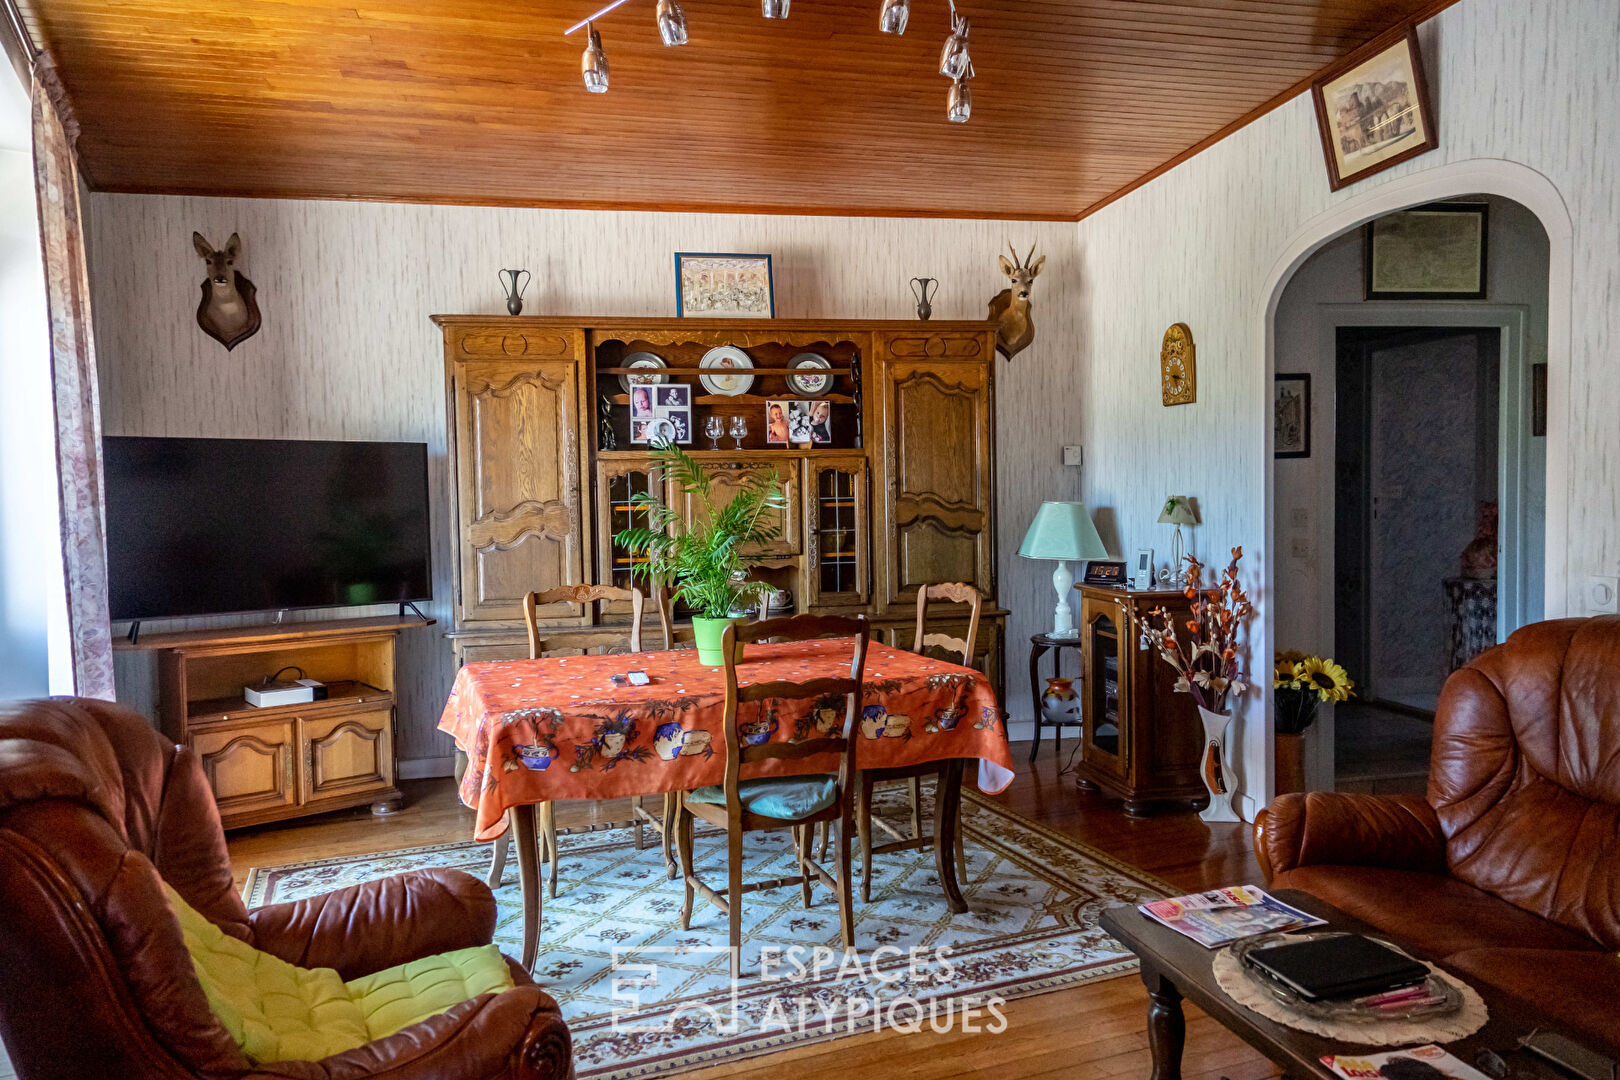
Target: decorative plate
x=726 y=356
x=642 y=360
x=809 y=385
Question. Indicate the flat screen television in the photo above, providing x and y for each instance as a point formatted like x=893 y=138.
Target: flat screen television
x=211 y=526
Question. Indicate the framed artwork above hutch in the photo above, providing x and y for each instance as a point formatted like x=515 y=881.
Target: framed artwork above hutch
x=897 y=489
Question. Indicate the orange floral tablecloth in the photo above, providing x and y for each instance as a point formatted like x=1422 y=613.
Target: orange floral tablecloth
x=559 y=728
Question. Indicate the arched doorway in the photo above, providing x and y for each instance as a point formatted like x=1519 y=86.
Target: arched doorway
x=1535 y=194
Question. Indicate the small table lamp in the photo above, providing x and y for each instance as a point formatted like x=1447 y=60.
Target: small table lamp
x=1062 y=531
x=1177 y=511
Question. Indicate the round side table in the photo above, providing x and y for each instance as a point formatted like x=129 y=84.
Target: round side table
x=1039 y=646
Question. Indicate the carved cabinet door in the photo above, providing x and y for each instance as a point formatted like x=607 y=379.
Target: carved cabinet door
x=938 y=469
x=250 y=768
x=520 y=518
x=728 y=480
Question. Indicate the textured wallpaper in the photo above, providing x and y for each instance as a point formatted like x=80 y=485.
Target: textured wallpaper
x=347 y=351
x=1533 y=83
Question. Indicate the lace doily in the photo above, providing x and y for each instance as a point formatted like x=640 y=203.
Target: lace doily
x=1464 y=1022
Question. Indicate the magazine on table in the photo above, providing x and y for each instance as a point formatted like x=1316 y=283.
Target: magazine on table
x=1414 y=1063
x=1221 y=915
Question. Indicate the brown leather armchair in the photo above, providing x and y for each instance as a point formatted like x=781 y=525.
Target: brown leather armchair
x=1509 y=869
x=95 y=808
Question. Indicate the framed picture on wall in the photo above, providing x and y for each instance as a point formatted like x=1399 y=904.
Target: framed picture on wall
x=1372 y=109
x=717 y=285
x=1434 y=252
x=1291 y=408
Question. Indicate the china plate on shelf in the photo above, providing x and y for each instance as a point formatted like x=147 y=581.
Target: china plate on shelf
x=726 y=356
x=642 y=360
x=809 y=385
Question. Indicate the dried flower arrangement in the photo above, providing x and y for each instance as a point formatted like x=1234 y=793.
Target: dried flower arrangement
x=1208 y=665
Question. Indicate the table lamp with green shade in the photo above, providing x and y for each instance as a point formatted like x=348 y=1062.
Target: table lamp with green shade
x=1062 y=531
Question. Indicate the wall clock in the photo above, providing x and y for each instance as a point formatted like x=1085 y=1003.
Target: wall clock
x=1178 y=366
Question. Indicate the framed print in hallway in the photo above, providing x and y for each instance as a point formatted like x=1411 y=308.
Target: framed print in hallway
x=1434 y=252
x=1291 y=407
x=717 y=285
x=1372 y=109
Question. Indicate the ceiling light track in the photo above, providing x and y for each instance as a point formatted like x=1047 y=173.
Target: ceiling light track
x=954 y=60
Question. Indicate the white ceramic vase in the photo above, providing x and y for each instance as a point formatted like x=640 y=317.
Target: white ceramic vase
x=1215 y=767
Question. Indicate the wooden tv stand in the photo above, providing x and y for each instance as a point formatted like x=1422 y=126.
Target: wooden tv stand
x=284 y=761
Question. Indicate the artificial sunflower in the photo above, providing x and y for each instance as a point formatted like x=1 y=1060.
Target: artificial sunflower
x=1284 y=674
x=1329 y=680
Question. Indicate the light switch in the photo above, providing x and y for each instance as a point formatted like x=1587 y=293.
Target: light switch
x=1300 y=548
x=1074 y=455
x=1299 y=517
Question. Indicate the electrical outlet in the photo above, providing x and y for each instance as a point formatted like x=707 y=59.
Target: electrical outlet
x=1074 y=455
x=1600 y=595
x=1299 y=517
x=1300 y=548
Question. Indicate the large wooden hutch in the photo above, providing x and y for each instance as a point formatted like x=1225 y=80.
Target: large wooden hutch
x=543 y=466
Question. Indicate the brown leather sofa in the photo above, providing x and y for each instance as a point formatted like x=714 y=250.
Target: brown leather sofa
x=95 y=981
x=1508 y=871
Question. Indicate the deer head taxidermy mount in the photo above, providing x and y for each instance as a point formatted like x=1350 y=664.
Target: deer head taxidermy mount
x=228 y=312
x=1010 y=308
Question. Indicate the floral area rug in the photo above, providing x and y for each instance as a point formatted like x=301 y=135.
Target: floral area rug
x=645 y=998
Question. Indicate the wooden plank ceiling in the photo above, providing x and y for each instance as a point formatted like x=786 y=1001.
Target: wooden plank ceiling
x=480 y=101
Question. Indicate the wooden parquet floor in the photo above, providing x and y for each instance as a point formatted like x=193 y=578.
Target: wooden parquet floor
x=1092 y=1031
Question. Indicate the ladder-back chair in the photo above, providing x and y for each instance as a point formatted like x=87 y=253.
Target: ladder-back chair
x=797 y=803
x=546 y=816
x=958 y=650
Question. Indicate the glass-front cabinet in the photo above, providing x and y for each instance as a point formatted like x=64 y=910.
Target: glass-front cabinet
x=617 y=485
x=836 y=569
x=1107 y=735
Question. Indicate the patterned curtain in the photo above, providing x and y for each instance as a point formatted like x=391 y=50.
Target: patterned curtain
x=73 y=381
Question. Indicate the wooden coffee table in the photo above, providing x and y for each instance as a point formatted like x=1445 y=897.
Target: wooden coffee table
x=1176 y=967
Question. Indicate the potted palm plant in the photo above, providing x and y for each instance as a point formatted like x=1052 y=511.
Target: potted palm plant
x=703 y=561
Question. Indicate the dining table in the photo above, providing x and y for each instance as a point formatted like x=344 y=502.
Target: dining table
x=575 y=727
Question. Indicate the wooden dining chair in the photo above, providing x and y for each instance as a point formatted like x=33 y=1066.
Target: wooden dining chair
x=546 y=815
x=797 y=803
x=958 y=650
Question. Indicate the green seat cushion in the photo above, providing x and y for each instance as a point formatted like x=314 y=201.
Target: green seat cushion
x=788 y=797
x=276 y=1011
x=395 y=999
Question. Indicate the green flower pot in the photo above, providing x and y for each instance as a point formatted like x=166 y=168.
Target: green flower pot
x=709 y=633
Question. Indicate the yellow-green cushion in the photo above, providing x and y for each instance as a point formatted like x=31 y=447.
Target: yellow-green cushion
x=401 y=996
x=786 y=797
x=276 y=1011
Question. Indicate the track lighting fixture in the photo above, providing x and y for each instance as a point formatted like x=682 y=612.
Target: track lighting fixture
x=954 y=61
x=959 y=105
x=593 y=65
x=894 y=16
x=671 y=23
x=953 y=58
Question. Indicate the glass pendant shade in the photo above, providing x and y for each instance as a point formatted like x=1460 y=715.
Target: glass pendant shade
x=960 y=104
x=671 y=23
x=894 y=16
x=593 y=64
x=775 y=9
x=953 y=58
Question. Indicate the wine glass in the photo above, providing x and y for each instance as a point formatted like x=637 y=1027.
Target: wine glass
x=739 y=430
x=714 y=427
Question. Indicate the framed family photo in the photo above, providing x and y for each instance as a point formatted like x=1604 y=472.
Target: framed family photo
x=1434 y=252
x=719 y=285
x=1372 y=109
x=1291 y=408
x=661 y=414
